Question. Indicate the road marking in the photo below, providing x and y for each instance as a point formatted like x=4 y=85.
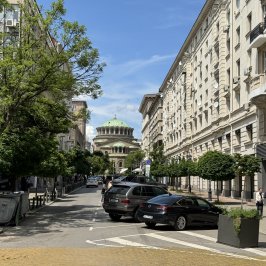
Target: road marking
x=91 y=228
x=256 y=251
x=113 y=226
x=198 y=235
x=98 y=244
x=129 y=243
x=183 y=243
x=93 y=219
x=252 y=250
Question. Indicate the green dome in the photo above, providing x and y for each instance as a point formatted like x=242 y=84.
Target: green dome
x=114 y=123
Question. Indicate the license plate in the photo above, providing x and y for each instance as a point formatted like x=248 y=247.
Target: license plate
x=113 y=200
x=147 y=216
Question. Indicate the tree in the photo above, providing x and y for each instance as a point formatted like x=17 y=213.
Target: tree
x=134 y=159
x=46 y=60
x=158 y=162
x=216 y=166
x=246 y=165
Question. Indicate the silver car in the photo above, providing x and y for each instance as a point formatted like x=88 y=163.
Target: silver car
x=92 y=182
x=123 y=199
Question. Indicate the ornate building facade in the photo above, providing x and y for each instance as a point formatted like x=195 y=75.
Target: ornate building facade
x=213 y=96
x=116 y=138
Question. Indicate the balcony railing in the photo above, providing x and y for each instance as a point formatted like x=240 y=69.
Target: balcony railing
x=258 y=30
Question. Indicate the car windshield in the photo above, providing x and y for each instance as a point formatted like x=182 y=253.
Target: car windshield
x=121 y=190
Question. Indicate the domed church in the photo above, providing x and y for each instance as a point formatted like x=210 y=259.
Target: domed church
x=116 y=138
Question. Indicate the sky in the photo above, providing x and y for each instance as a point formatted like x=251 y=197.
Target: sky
x=138 y=40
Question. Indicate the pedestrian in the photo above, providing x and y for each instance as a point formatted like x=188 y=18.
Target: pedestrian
x=260 y=201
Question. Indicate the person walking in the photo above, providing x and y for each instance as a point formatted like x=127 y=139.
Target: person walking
x=260 y=201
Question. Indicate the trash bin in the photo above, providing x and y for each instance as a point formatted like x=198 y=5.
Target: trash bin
x=8 y=207
x=13 y=206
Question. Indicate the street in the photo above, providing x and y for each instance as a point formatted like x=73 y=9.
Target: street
x=78 y=221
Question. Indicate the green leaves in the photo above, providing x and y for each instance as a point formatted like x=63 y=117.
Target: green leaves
x=216 y=166
x=45 y=61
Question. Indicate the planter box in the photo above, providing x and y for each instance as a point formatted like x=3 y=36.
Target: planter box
x=247 y=237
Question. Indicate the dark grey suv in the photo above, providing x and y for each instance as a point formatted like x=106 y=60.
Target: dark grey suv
x=123 y=199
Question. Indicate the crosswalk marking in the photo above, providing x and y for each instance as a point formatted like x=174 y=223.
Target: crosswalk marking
x=198 y=235
x=172 y=240
x=129 y=243
x=252 y=250
x=123 y=242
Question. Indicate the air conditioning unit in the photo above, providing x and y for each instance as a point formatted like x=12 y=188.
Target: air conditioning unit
x=10 y=23
x=226 y=28
x=235 y=80
x=247 y=71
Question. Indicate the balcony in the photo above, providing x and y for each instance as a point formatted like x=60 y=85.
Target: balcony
x=258 y=90
x=258 y=36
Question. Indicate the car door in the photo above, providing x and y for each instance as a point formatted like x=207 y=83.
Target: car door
x=207 y=214
x=189 y=209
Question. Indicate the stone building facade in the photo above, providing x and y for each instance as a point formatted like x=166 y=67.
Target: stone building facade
x=116 y=138
x=214 y=95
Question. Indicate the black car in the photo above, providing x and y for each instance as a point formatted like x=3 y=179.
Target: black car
x=124 y=198
x=178 y=211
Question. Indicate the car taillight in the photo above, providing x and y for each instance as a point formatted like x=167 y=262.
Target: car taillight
x=125 y=201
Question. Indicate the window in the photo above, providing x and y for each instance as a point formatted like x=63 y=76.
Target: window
x=148 y=191
x=238 y=136
x=158 y=191
x=238 y=4
x=249 y=22
x=249 y=129
x=136 y=191
x=203 y=203
x=186 y=202
x=238 y=36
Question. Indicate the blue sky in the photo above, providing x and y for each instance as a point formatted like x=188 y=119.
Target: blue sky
x=138 y=40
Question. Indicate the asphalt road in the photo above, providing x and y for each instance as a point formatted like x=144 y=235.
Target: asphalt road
x=78 y=221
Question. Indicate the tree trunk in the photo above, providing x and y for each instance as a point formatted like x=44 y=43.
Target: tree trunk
x=217 y=190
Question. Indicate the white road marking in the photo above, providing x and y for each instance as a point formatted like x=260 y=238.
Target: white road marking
x=252 y=250
x=129 y=243
x=256 y=251
x=183 y=243
x=91 y=228
x=93 y=219
x=198 y=235
x=98 y=244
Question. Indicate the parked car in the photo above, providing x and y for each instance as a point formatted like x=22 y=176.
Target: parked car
x=140 y=179
x=92 y=181
x=100 y=180
x=123 y=199
x=178 y=211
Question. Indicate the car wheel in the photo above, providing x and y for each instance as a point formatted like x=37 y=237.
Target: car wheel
x=115 y=217
x=135 y=217
x=150 y=224
x=180 y=223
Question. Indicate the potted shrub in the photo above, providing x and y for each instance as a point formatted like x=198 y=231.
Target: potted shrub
x=239 y=227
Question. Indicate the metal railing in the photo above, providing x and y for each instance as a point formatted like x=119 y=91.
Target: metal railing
x=258 y=30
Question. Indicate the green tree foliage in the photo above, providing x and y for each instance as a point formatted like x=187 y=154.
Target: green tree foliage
x=187 y=167
x=216 y=166
x=134 y=159
x=159 y=166
x=246 y=165
x=46 y=60
x=99 y=163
